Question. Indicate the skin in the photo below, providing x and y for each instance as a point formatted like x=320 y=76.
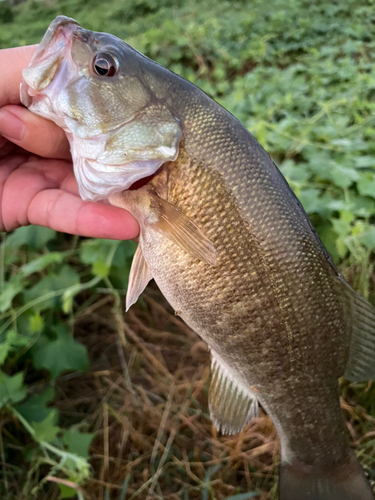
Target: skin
x=35 y=161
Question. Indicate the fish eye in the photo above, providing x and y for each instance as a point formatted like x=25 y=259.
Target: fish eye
x=105 y=64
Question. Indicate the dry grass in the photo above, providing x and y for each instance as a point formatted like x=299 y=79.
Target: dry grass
x=146 y=399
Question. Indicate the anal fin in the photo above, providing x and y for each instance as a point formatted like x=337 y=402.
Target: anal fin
x=361 y=362
x=139 y=277
x=232 y=405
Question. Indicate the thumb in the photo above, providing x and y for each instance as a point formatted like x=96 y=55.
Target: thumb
x=33 y=133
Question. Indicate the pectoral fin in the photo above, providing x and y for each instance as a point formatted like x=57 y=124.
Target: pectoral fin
x=139 y=277
x=183 y=231
x=152 y=211
x=231 y=405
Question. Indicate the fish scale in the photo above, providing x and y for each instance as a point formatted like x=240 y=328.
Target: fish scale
x=226 y=240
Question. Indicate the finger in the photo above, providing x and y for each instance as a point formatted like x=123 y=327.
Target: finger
x=6 y=169
x=67 y=213
x=12 y=62
x=35 y=192
x=33 y=133
x=22 y=184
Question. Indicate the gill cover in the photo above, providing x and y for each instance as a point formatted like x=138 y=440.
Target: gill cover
x=91 y=85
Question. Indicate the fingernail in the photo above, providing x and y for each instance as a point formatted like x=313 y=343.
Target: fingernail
x=11 y=126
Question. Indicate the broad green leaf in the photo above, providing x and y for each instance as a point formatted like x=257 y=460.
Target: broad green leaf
x=45 y=430
x=343 y=176
x=12 y=341
x=12 y=389
x=341 y=247
x=34 y=236
x=124 y=252
x=368 y=238
x=328 y=238
x=60 y=354
x=95 y=250
x=10 y=290
x=100 y=269
x=341 y=227
x=35 y=409
x=41 y=263
x=54 y=282
x=366 y=184
x=5 y=348
x=67 y=491
x=78 y=442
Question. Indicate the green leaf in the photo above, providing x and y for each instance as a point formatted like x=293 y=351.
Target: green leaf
x=34 y=236
x=12 y=389
x=366 y=184
x=45 y=430
x=124 y=252
x=100 y=269
x=5 y=348
x=341 y=227
x=67 y=491
x=95 y=250
x=60 y=354
x=343 y=176
x=54 y=282
x=78 y=442
x=10 y=290
x=36 y=322
x=34 y=409
x=368 y=238
x=41 y=263
x=12 y=340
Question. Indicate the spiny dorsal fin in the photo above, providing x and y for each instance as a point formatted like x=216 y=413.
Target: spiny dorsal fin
x=361 y=362
x=139 y=277
x=184 y=232
x=232 y=405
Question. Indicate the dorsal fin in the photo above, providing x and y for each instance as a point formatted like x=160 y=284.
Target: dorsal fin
x=232 y=405
x=139 y=277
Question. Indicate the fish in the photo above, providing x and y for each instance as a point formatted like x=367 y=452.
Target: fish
x=227 y=242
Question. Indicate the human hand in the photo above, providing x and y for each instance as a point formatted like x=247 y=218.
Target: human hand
x=37 y=184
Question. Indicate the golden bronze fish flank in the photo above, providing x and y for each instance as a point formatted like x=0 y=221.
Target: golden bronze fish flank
x=227 y=242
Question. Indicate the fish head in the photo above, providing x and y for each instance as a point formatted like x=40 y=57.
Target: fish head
x=96 y=88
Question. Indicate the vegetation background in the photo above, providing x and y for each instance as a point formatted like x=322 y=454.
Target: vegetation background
x=95 y=404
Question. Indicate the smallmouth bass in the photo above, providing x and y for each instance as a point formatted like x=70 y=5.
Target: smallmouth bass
x=227 y=242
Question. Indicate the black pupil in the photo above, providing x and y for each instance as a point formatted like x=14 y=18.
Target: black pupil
x=105 y=66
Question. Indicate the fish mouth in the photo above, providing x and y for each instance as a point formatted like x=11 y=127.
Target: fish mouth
x=52 y=58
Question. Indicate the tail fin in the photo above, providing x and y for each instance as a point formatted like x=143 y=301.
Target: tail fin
x=347 y=483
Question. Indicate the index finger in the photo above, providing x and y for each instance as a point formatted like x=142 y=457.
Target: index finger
x=12 y=62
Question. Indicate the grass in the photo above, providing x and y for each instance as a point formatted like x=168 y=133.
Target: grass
x=98 y=404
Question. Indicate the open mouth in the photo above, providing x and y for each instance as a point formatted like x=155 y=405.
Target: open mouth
x=142 y=182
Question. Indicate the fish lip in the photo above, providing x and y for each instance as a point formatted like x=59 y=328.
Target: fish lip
x=61 y=25
x=53 y=52
x=54 y=46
